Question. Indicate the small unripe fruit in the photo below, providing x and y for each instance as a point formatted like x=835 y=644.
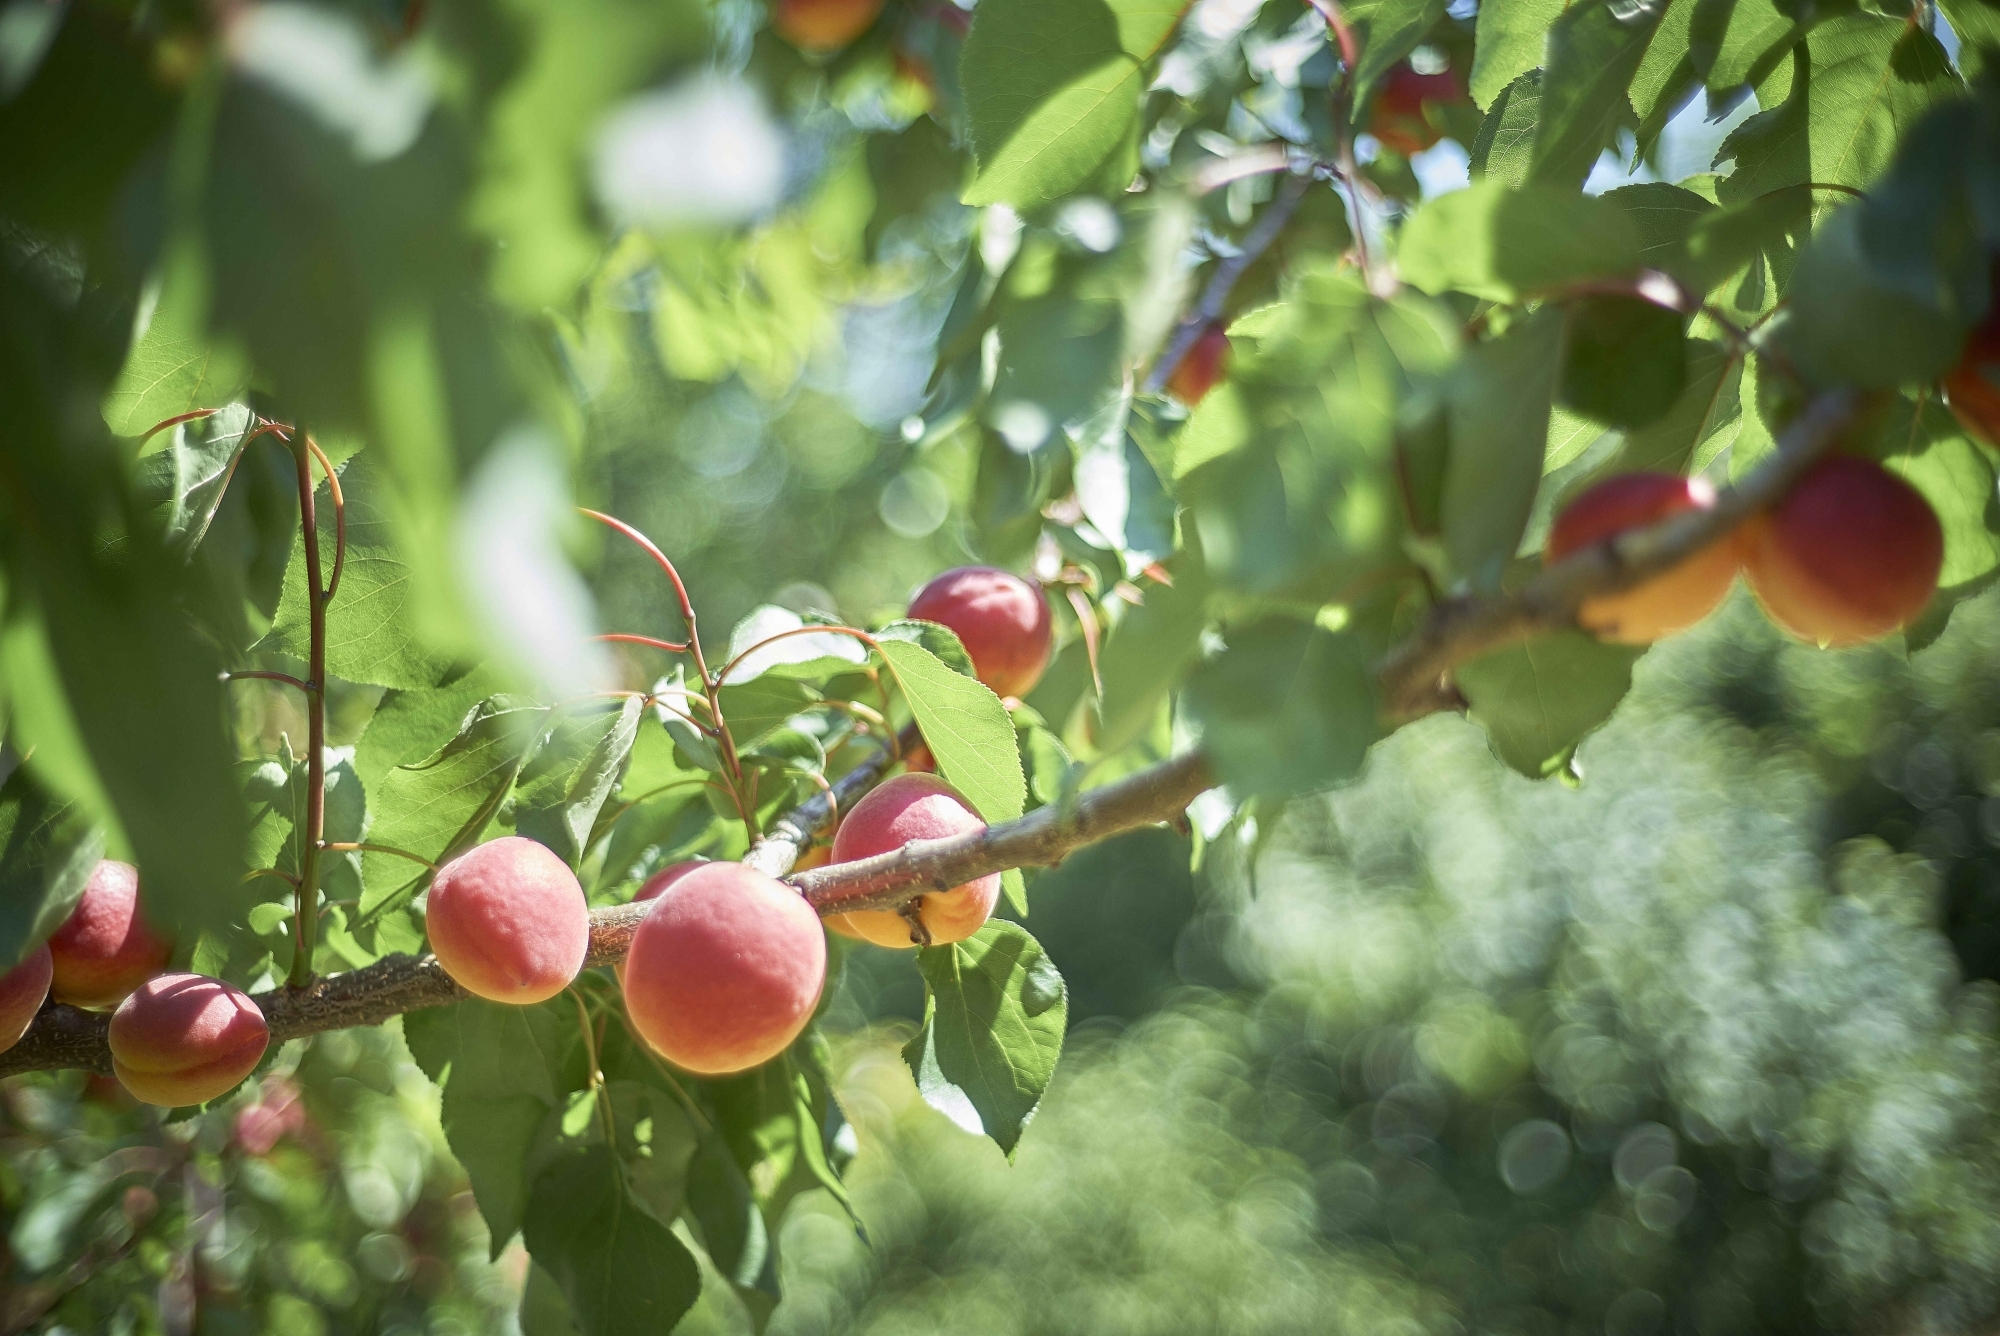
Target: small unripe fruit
x=724 y=970
x=656 y=886
x=1397 y=118
x=1205 y=363
x=1671 y=601
x=508 y=921
x=23 y=989
x=1973 y=386
x=105 y=948
x=1851 y=553
x=185 y=1038
x=1001 y=619
x=913 y=807
x=823 y=25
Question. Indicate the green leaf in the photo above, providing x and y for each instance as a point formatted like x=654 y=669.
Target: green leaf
x=1737 y=43
x=1665 y=76
x=436 y=808
x=1499 y=413
x=46 y=856
x=1052 y=88
x=1624 y=360
x=1537 y=701
x=1145 y=654
x=1664 y=216
x=941 y=641
x=1387 y=31
x=1934 y=455
x=372 y=632
x=1859 y=83
x=995 y=1012
x=504 y=1070
x=1594 y=49
x=1505 y=244
x=174 y=367
x=967 y=729
x=623 y=1272
x=1977 y=23
x=1124 y=499
x=1287 y=707
x=758 y=706
x=1504 y=151
x=575 y=767
x=186 y=479
x=1508 y=42
x=1703 y=420
x=772 y=1119
x=410 y=725
x=811 y=655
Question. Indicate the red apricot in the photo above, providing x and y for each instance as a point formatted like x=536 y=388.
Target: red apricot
x=105 y=948
x=1671 y=601
x=23 y=989
x=1852 y=552
x=1397 y=117
x=913 y=807
x=725 y=969
x=185 y=1038
x=1001 y=619
x=656 y=886
x=823 y=25
x=508 y=921
x=1204 y=364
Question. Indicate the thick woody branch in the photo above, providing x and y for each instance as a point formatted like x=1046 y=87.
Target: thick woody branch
x=1415 y=676
x=64 y=1036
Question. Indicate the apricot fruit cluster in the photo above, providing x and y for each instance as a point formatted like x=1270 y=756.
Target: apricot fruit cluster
x=1850 y=553
x=913 y=807
x=1002 y=620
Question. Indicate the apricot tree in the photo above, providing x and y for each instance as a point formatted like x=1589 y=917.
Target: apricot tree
x=1267 y=438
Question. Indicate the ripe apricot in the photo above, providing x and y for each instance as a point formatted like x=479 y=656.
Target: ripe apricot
x=105 y=948
x=725 y=969
x=1852 y=552
x=1202 y=367
x=1001 y=619
x=1669 y=602
x=913 y=807
x=1972 y=388
x=1397 y=117
x=654 y=888
x=185 y=1038
x=508 y=921
x=823 y=25
x=23 y=989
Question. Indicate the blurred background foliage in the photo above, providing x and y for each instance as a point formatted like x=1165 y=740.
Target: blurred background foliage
x=1703 y=1043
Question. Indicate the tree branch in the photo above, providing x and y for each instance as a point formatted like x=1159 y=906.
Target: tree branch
x=1415 y=675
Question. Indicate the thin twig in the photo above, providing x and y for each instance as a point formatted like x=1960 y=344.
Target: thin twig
x=259 y=675
x=339 y=518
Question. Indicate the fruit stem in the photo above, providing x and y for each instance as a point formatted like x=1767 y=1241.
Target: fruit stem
x=305 y=918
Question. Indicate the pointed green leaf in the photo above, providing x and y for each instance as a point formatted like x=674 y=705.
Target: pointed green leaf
x=576 y=766
x=967 y=729
x=623 y=1272
x=1538 y=700
x=1287 y=707
x=994 y=1018
x=46 y=856
x=1505 y=244
x=1594 y=49
x=1499 y=412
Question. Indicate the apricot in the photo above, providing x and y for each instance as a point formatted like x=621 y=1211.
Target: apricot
x=823 y=25
x=1851 y=553
x=724 y=970
x=23 y=989
x=1397 y=117
x=105 y=948
x=508 y=921
x=1972 y=388
x=656 y=886
x=1001 y=619
x=1205 y=363
x=1671 y=601
x=185 y=1038
x=913 y=807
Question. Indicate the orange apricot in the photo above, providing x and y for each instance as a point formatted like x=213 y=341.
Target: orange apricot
x=1202 y=367
x=656 y=886
x=724 y=970
x=1397 y=117
x=905 y=808
x=1671 y=601
x=1851 y=553
x=1002 y=620
x=105 y=948
x=185 y=1038
x=508 y=921
x=823 y=25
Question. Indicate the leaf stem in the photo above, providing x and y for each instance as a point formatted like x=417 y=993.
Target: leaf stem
x=258 y=674
x=355 y=846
